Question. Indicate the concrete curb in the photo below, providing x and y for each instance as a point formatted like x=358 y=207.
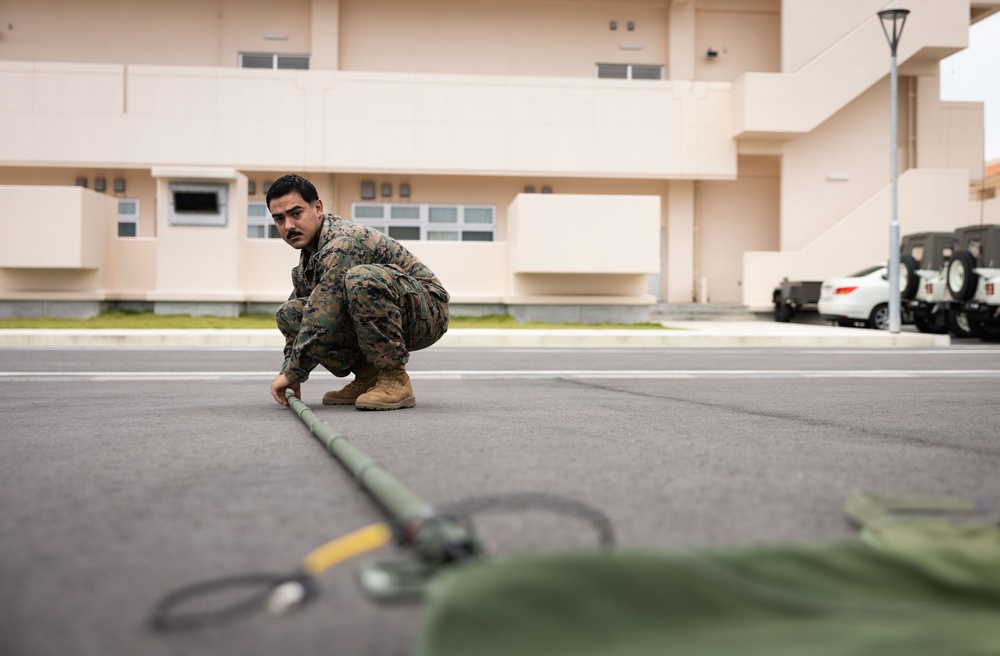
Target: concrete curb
x=682 y=338
x=683 y=335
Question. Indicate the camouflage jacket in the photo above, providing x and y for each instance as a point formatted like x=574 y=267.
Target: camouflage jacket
x=319 y=277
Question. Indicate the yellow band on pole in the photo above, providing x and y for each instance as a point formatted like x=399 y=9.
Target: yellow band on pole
x=353 y=544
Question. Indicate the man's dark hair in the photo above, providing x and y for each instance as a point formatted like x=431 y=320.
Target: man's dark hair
x=286 y=184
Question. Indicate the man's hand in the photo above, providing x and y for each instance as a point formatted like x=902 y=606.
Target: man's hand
x=280 y=384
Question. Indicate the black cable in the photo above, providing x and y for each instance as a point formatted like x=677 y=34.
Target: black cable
x=167 y=618
x=168 y=614
x=538 y=501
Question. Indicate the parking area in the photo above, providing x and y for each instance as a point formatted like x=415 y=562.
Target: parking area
x=128 y=472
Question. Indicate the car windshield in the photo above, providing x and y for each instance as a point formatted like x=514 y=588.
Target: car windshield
x=866 y=271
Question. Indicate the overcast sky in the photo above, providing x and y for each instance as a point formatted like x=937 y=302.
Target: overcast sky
x=974 y=74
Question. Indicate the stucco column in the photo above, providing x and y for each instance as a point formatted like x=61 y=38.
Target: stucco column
x=681 y=40
x=325 y=35
x=679 y=270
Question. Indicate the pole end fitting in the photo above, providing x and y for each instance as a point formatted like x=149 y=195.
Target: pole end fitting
x=290 y=595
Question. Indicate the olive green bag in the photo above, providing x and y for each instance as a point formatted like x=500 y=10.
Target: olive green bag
x=910 y=585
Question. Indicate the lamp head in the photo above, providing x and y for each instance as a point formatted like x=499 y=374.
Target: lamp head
x=892 y=25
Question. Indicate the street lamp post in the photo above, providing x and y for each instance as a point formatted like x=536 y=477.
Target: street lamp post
x=892 y=24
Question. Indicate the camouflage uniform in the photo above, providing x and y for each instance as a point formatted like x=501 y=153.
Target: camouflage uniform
x=360 y=295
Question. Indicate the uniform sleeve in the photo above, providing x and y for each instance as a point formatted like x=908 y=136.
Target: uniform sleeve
x=325 y=310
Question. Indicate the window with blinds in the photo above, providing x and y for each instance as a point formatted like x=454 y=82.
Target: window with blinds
x=630 y=71
x=429 y=221
x=273 y=60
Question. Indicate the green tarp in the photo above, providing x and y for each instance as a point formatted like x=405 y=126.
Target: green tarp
x=915 y=587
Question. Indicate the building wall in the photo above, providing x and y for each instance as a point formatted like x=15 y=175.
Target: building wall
x=774 y=145
x=180 y=33
x=808 y=27
x=831 y=170
x=746 y=36
x=148 y=115
x=929 y=200
x=789 y=104
x=56 y=241
x=552 y=39
x=735 y=217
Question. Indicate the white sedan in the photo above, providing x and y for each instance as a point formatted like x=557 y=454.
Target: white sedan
x=861 y=298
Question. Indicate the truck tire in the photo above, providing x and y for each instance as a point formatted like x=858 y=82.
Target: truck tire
x=988 y=332
x=962 y=280
x=908 y=277
x=934 y=324
x=958 y=324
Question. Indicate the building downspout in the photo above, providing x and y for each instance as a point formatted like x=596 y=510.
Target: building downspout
x=699 y=294
x=911 y=122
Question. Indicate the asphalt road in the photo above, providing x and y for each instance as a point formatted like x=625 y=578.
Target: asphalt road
x=125 y=473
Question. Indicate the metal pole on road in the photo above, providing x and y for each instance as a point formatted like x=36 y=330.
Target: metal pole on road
x=892 y=25
x=437 y=539
x=399 y=502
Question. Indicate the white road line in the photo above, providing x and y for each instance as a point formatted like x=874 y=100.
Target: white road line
x=499 y=374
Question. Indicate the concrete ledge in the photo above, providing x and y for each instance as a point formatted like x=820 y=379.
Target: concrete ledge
x=581 y=313
x=695 y=334
x=65 y=309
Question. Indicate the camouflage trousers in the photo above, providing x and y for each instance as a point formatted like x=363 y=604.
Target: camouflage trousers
x=381 y=316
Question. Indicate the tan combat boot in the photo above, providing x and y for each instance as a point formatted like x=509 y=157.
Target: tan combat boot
x=391 y=392
x=365 y=377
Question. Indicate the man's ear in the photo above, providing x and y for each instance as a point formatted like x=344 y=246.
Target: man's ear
x=319 y=206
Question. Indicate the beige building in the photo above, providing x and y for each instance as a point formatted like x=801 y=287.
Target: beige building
x=570 y=159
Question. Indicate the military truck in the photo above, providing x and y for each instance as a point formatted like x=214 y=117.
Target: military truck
x=923 y=263
x=793 y=296
x=973 y=278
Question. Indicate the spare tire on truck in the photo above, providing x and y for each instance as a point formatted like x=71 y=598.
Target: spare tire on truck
x=908 y=279
x=962 y=280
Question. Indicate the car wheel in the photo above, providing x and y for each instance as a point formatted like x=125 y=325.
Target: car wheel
x=935 y=324
x=879 y=318
x=958 y=324
x=908 y=280
x=985 y=331
x=782 y=311
x=962 y=279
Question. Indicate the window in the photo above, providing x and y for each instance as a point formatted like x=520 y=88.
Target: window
x=198 y=203
x=630 y=71
x=428 y=222
x=273 y=60
x=259 y=223
x=128 y=218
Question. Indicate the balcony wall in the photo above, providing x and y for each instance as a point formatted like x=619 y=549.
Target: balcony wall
x=567 y=245
x=58 y=228
x=471 y=272
x=561 y=248
x=144 y=116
